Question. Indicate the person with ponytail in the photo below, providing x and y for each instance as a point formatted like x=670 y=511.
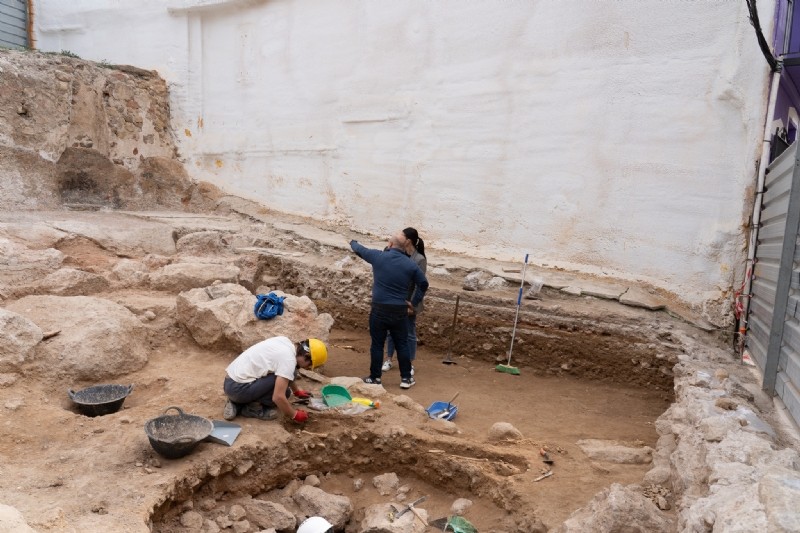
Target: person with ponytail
x=414 y=247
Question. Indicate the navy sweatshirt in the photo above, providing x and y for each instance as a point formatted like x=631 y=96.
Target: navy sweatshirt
x=393 y=271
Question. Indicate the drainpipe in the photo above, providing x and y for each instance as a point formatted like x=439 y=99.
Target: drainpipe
x=762 y=174
x=31 y=34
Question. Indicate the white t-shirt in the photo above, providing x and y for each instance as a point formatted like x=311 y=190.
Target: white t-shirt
x=272 y=356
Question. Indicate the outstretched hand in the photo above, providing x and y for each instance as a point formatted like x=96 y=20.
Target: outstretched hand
x=302 y=394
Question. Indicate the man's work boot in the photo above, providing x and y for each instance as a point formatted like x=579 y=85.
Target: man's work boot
x=230 y=411
x=256 y=410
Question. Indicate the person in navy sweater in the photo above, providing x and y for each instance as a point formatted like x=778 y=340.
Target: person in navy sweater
x=393 y=271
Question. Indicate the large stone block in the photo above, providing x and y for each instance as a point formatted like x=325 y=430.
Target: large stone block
x=98 y=338
x=612 y=451
x=779 y=492
x=18 y=338
x=316 y=502
x=267 y=514
x=222 y=316
x=618 y=509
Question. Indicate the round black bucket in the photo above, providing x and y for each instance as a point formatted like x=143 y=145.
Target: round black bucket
x=100 y=399
x=174 y=436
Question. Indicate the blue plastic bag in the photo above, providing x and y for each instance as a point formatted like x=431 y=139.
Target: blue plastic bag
x=268 y=306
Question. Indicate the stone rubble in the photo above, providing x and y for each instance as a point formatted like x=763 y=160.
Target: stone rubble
x=612 y=451
x=376 y=520
x=386 y=484
x=460 y=506
x=504 y=431
x=617 y=508
x=315 y=502
x=266 y=514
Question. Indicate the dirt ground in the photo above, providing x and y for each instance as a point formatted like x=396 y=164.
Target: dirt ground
x=549 y=411
x=590 y=369
x=60 y=467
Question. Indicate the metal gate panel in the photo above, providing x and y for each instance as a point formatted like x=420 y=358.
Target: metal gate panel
x=14 y=23
x=768 y=254
x=789 y=394
x=773 y=323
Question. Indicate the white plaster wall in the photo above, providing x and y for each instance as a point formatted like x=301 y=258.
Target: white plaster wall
x=611 y=136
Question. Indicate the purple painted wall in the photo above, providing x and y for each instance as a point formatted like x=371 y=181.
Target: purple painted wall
x=788 y=98
x=781 y=13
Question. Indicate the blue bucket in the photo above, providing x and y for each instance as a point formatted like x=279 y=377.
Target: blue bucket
x=439 y=410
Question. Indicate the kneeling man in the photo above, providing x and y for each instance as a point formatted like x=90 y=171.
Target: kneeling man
x=258 y=382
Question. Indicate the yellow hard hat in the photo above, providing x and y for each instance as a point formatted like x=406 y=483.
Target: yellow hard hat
x=318 y=352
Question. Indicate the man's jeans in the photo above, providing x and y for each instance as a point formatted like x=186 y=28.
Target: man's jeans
x=412 y=340
x=260 y=390
x=389 y=320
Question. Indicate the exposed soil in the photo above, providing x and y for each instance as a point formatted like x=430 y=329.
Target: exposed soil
x=590 y=369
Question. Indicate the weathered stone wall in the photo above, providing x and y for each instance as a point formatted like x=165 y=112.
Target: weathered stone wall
x=76 y=132
x=724 y=460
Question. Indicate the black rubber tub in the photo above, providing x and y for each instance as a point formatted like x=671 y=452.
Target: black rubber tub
x=100 y=400
x=174 y=436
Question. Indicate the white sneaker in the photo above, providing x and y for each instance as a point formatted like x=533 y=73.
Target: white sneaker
x=412 y=370
x=386 y=365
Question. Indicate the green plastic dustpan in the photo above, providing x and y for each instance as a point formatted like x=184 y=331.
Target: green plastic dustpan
x=335 y=395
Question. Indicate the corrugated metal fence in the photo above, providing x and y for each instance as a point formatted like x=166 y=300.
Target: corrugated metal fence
x=773 y=337
x=14 y=23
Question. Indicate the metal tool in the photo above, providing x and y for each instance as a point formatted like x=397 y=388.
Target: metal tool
x=447 y=360
x=395 y=513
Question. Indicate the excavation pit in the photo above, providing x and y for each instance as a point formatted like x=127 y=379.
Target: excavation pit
x=590 y=369
x=355 y=469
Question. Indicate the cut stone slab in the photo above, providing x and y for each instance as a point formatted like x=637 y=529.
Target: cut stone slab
x=605 y=292
x=574 y=291
x=269 y=251
x=557 y=282
x=124 y=235
x=184 y=276
x=612 y=451
x=37 y=235
x=636 y=297
x=346 y=381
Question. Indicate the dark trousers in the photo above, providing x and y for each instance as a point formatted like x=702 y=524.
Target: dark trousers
x=260 y=390
x=389 y=320
x=412 y=340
